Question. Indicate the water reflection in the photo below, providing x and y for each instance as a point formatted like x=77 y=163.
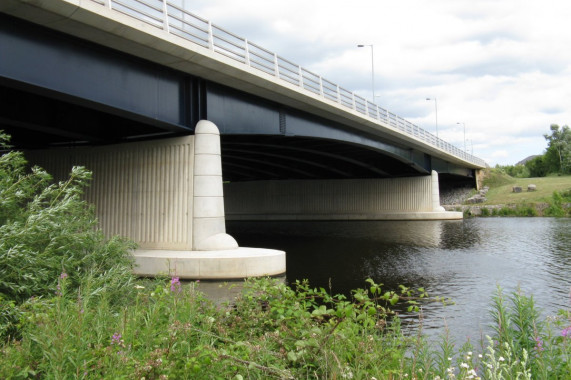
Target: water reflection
x=463 y=260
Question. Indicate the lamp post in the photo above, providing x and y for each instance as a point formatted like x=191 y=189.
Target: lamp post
x=436 y=110
x=372 y=69
x=464 y=124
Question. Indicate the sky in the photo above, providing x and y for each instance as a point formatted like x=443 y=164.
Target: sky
x=500 y=70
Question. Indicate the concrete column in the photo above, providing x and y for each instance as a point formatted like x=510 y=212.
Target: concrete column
x=435 y=192
x=209 y=228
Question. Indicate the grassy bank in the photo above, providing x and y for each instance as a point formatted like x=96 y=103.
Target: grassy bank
x=501 y=186
x=552 y=196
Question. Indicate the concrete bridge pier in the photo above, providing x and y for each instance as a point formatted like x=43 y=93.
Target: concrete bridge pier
x=405 y=198
x=166 y=195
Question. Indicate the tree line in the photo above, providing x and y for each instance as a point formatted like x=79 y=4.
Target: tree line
x=555 y=160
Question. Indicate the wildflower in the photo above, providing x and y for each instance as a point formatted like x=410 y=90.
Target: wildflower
x=501 y=359
x=63 y=275
x=538 y=344
x=116 y=338
x=347 y=374
x=175 y=284
x=464 y=365
x=480 y=356
x=566 y=332
x=469 y=353
x=139 y=287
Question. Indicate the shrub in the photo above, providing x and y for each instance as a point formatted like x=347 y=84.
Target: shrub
x=555 y=207
x=48 y=231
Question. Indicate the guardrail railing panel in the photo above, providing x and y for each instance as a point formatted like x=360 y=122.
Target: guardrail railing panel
x=173 y=18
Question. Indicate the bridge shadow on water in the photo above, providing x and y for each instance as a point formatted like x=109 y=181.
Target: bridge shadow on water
x=342 y=255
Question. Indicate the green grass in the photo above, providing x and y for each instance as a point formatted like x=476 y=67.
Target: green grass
x=501 y=186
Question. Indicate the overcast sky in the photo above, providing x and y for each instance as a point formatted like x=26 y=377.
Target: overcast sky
x=501 y=67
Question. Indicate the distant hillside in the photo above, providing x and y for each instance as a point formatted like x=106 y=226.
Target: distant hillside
x=522 y=162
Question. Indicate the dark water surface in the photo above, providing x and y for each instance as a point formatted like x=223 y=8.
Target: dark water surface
x=462 y=260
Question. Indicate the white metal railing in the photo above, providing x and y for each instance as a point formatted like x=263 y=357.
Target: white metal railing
x=171 y=16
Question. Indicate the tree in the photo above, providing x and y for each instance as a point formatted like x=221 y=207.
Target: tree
x=558 y=154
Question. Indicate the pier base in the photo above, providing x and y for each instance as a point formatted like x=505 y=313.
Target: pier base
x=211 y=265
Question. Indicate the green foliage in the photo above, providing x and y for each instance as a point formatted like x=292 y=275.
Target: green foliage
x=524 y=346
x=496 y=178
x=537 y=167
x=270 y=331
x=557 y=157
x=48 y=231
x=558 y=154
x=556 y=204
x=516 y=171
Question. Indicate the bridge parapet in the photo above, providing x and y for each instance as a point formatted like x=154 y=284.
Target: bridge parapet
x=170 y=16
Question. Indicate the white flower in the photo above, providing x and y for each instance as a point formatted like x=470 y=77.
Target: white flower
x=501 y=359
x=480 y=356
x=449 y=359
x=470 y=353
x=464 y=365
x=139 y=287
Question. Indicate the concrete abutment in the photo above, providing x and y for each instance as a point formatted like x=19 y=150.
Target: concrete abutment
x=410 y=198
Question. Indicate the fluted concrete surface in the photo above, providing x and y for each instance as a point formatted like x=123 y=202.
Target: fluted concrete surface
x=140 y=190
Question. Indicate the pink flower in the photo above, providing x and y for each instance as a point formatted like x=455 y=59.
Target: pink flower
x=175 y=284
x=566 y=332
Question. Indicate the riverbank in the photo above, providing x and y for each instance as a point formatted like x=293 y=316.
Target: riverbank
x=509 y=196
x=270 y=331
x=513 y=209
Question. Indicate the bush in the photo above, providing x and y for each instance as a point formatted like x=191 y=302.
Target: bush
x=47 y=232
x=556 y=204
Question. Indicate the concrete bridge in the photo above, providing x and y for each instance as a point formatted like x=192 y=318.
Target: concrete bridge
x=121 y=86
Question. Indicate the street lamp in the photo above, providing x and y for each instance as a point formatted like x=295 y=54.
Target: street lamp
x=372 y=69
x=464 y=124
x=436 y=109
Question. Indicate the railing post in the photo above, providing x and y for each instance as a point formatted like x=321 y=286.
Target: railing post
x=165 y=16
x=276 y=66
x=338 y=93
x=300 y=71
x=107 y=3
x=210 y=37
x=321 y=86
x=247 y=52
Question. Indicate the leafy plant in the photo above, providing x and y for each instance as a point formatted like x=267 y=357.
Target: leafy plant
x=47 y=230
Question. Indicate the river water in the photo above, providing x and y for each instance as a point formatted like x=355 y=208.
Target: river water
x=464 y=261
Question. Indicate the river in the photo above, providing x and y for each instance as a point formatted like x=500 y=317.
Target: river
x=464 y=261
